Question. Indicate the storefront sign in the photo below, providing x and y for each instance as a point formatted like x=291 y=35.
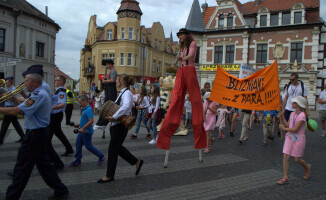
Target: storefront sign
x=231 y=67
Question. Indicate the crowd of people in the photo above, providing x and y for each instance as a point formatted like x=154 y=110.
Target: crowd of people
x=44 y=110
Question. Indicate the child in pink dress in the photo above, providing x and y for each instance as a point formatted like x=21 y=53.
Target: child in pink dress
x=220 y=124
x=210 y=108
x=295 y=139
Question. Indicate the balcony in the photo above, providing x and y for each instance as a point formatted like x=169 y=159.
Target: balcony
x=90 y=70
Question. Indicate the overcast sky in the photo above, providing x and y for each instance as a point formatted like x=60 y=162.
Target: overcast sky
x=73 y=17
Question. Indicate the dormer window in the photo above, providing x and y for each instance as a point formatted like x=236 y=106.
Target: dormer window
x=274 y=19
x=263 y=20
x=221 y=21
x=230 y=20
x=109 y=34
x=286 y=18
x=298 y=17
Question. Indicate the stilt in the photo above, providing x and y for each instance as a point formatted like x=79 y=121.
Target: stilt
x=167 y=152
x=200 y=156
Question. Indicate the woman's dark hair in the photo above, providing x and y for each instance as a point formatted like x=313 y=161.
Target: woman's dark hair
x=155 y=94
x=285 y=87
x=186 y=42
x=142 y=94
x=128 y=81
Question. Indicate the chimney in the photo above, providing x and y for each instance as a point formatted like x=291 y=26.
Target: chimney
x=46 y=11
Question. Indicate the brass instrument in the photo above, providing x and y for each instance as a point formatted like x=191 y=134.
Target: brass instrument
x=9 y=95
x=2 y=82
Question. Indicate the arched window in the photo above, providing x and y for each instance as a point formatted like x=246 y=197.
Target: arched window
x=221 y=21
x=230 y=20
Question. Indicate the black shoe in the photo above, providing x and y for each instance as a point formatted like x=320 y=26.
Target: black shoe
x=103 y=136
x=59 y=196
x=139 y=167
x=231 y=134
x=271 y=137
x=264 y=144
x=10 y=174
x=105 y=181
x=67 y=153
x=240 y=141
x=278 y=134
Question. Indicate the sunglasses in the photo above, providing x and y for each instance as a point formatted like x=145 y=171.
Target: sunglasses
x=292 y=79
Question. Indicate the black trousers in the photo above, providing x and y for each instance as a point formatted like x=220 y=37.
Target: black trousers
x=5 y=125
x=55 y=128
x=118 y=134
x=33 y=151
x=68 y=113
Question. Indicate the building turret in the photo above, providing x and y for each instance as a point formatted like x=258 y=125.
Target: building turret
x=129 y=16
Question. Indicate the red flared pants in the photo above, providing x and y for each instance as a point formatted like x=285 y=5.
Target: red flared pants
x=186 y=80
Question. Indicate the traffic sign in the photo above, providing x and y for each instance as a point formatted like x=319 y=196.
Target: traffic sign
x=93 y=84
x=93 y=88
x=148 y=82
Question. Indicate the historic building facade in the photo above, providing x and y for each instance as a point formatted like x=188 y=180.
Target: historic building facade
x=257 y=33
x=137 y=51
x=27 y=37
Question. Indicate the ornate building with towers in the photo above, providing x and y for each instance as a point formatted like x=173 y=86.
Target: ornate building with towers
x=141 y=52
x=258 y=32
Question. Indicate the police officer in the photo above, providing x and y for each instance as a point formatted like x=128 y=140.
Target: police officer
x=59 y=100
x=70 y=104
x=33 y=150
x=10 y=118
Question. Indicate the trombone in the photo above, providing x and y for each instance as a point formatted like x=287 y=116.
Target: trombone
x=9 y=95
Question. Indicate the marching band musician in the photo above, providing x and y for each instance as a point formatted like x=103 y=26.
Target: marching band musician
x=119 y=132
x=59 y=101
x=10 y=118
x=33 y=150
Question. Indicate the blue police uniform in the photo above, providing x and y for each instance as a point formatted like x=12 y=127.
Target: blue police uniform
x=58 y=97
x=46 y=87
x=7 y=119
x=33 y=150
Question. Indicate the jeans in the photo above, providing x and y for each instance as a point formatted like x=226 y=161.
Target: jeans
x=86 y=139
x=141 y=118
x=152 y=124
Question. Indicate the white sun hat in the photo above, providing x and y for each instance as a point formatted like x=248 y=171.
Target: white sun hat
x=207 y=95
x=300 y=100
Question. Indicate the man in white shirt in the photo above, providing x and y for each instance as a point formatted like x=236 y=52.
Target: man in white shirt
x=322 y=110
x=295 y=88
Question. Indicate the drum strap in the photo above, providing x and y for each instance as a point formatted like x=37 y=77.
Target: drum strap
x=119 y=98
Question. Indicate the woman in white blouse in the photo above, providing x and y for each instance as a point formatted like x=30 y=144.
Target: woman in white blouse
x=119 y=132
x=152 y=110
x=142 y=105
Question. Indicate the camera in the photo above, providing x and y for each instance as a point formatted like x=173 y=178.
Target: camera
x=76 y=130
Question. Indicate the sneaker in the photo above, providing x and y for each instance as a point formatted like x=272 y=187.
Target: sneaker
x=99 y=127
x=323 y=135
x=264 y=144
x=152 y=141
x=99 y=163
x=74 y=164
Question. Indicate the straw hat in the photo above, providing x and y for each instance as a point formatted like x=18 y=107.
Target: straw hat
x=207 y=95
x=300 y=100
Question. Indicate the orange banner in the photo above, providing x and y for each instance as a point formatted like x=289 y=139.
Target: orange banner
x=259 y=91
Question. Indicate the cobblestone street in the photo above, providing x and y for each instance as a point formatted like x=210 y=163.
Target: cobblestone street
x=229 y=171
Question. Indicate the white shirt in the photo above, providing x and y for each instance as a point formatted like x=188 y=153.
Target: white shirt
x=188 y=106
x=144 y=103
x=125 y=105
x=322 y=96
x=135 y=96
x=294 y=91
x=151 y=106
